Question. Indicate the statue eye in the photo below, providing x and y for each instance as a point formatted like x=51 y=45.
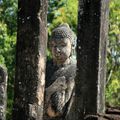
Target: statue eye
x=55 y=46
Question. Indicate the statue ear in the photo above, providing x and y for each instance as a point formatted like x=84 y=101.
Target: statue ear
x=74 y=43
x=73 y=48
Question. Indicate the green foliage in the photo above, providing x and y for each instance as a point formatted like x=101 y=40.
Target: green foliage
x=3 y=36
x=113 y=93
x=113 y=60
x=8 y=14
x=7 y=58
x=66 y=12
x=8 y=27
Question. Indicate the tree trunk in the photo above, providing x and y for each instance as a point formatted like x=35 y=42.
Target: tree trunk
x=91 y=58
x=3 y=93
x=30 y=60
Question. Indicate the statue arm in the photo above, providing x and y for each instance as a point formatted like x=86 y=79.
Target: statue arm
x=59 y=100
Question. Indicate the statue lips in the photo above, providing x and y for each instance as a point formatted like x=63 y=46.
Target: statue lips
x=59 y=58
x=58 y=55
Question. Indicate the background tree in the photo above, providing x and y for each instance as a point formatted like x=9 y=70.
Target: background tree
x=8 y=27
x=113 y=60
x=8 y=14
x=62 y=11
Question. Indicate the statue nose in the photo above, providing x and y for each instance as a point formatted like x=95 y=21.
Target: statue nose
x=57 y=49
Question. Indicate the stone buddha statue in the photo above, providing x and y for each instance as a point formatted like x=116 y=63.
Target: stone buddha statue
x=60 y=73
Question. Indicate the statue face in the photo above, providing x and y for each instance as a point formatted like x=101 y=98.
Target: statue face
x=61 y=49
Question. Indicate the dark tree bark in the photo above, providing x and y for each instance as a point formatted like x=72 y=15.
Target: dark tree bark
x=30 y=60
x=3 y=92
x=91 y=57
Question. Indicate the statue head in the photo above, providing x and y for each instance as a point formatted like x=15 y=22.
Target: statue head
x=62 y=43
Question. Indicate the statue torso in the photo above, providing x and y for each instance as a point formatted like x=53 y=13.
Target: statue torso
x=53 y=72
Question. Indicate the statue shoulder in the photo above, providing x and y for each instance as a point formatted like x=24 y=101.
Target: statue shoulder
x=71 y=70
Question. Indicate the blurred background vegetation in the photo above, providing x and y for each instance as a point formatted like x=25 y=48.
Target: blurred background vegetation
x=60 y=12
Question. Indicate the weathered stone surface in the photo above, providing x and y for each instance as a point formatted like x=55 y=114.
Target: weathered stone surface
x=91 y=57
x=3 y=92
x=30 y=60
x=60 y=74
